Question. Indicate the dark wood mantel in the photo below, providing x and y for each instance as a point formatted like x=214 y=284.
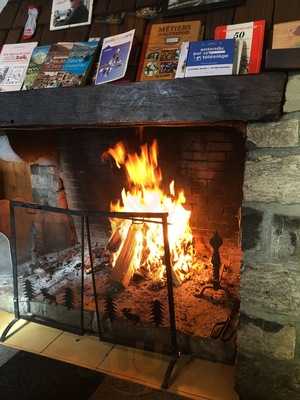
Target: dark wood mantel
x=182 y=101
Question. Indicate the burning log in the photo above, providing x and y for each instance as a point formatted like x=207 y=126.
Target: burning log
x=124 y=268
x=114 y=242
x=178 y=277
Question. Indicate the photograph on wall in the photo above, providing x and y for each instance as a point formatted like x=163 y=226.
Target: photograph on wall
x=190 y=6
x=70 y=13
x=114 y=57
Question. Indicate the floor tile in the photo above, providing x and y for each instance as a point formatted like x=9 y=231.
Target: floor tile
x=86 y=351
x=31 y=336
x=137 y=365
x=204 y=379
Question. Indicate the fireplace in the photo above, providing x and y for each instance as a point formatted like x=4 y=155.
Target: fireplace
x=193 y=173
x=234 y=160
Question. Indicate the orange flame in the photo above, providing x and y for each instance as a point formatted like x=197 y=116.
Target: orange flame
x=145 y=195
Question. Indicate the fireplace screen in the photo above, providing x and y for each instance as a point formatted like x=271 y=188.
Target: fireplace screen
x=77 y=284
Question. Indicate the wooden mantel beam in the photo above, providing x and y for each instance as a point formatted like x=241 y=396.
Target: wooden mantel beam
x=176 y=102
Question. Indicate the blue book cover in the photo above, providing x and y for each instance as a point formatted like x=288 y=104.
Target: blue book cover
x=211 y=57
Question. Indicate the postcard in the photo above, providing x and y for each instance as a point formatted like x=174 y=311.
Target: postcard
x=114 y=57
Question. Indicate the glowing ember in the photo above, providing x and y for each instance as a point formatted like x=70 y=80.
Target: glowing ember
x=144 y=194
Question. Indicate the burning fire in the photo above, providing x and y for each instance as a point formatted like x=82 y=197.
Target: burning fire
x=144 y=194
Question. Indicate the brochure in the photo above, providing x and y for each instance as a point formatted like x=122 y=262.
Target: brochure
x=212 y=57
x=251 y=34
x=114 y=57
x=14 y=61
x=38 y=58
x=67 y=65
x=160 y=54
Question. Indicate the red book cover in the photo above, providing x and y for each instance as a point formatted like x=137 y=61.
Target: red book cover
x=252 y=34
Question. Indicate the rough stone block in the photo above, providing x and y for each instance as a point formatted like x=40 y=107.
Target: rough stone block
x=292 y=93
x=262 y=378
x=285 y=238
x=271 y=291
x=256 y=336
x=284 y=133
x=273 y=179
x=251 y=227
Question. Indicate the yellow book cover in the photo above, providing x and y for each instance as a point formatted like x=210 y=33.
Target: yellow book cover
x=286 y=35
x=161 y=50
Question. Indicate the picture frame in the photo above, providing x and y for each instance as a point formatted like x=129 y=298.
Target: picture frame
x=183 y=7
x=70 y=13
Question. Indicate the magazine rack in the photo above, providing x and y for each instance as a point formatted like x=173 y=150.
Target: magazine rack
x=175 y=102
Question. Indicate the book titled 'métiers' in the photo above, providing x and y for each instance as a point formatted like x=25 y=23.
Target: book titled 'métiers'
x=211 y=57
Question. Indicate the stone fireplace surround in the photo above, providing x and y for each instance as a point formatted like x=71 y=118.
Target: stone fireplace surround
x=268 y=363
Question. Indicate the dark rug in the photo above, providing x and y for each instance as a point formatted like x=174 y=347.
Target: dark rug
x=30 y=377
x=27 y=376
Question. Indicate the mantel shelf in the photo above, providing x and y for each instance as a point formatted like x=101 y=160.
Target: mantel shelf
x=176 y=102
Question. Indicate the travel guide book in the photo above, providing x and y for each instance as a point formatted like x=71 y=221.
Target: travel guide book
x=38 y=58
x=114 y=57
x=286 y=35
x=161 y=50
x=251 y=34
x=67 y=65
x=212 y=57
x=14 y=61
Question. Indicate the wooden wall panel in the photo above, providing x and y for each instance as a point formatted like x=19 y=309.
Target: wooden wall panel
x=49 y=37
x=14 y=36
x=13 y=18
x=218 y=17
x=254 y=10
x=8 y=15
x=45 y=12
x=100 y=7
x=78 y=34
x=3 y=34
x=286 y=10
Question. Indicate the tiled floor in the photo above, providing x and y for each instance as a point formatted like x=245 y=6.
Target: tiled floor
x=196 y=379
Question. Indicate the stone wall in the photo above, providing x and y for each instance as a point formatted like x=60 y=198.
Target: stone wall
x=268 y=364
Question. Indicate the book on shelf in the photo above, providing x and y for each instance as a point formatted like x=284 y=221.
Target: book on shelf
x=286 y=35
x=67 y=65
x=38 y=58
x=251 y=35
x=212 y=57
x=14 y=61
x=161 y=49
x=114 y=56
